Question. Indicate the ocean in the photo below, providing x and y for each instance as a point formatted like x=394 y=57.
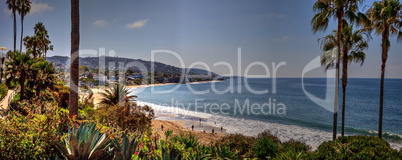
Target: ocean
x=250 y=106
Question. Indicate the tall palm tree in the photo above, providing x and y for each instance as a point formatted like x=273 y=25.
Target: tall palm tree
x=386 y=20
x=338 y=9
x=353 y=43
x=75 y=45
x=118 y=95
x=12 y=5
x=17 y=69
x=24 y=9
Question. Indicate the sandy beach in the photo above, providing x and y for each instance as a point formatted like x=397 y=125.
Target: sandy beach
x=179 y=127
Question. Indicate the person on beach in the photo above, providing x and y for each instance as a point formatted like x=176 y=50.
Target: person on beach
x=213 y=130
x=221 y=129
x=192 y=127
x=162 y=127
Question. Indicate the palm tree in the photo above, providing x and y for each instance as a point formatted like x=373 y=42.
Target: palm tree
x=339 y=9
x=386 y=19
x=33 y=44
x=118 y=95
x=75 y=45
x=41 y=33
x=12 y=5
x=24 y=9
x=352 y=45
x=17 y=69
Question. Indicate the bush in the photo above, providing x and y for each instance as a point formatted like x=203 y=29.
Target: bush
x=265 y=147
x=243 y=144
x=29 y=137
x=269 y=135
x=356 y=147
x=3 y=91
x=115 y=115
x=294 y=146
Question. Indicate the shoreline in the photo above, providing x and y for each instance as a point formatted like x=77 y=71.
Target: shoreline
x=181 y=123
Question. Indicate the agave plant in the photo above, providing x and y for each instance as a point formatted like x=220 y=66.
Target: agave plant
x=85 y=143
x=126 y=149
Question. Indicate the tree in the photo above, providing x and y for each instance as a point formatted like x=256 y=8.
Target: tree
x=32 y=45
x=386 y=19
x=43 y=36
x=118 y=95
x=338 y=9
x=353 y=44
x=23 y=10
x=12 y=5
x=17 y=69
x=75 y=45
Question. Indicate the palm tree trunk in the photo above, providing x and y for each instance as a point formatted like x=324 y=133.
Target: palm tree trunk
x=75 y=42
x=15 y=30
x=384 y=58
x=344 y=84
x=337 y=78
x=22 y=31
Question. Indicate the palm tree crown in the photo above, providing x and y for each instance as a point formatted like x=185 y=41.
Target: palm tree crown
x=353 y=42
x=118 y=94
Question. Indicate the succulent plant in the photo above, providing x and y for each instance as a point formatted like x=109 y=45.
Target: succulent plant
x=86 y=143
x=126 y=149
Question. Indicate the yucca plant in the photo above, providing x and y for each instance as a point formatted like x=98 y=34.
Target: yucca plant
x=126 y=149
x=85 y=143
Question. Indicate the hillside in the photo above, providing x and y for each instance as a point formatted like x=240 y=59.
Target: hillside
x=93 y=62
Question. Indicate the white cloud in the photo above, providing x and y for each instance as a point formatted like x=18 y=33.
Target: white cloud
x=40 y=7
x=100 y=23
x=284 y=38
x=137 y=24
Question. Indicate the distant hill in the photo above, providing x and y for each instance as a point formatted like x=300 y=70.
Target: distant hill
x=93 y=62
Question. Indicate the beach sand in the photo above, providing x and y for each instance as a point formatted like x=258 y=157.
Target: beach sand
x=178 y=127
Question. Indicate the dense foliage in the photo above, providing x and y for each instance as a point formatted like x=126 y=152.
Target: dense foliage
x=356 y=147
x=3 y=90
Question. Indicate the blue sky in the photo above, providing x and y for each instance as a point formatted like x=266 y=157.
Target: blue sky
x=207 y=31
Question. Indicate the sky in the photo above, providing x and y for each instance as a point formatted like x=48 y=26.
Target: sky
x=201 y=32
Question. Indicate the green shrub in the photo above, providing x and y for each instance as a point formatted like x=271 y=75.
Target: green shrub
x=243 y=144
x=269 y=135
x=223 y=152
x=3 y=91
x=290 y=155
x=27 y=137
x=265 y=147
x=294 y=146
x=356 y=147
x=189 y=140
